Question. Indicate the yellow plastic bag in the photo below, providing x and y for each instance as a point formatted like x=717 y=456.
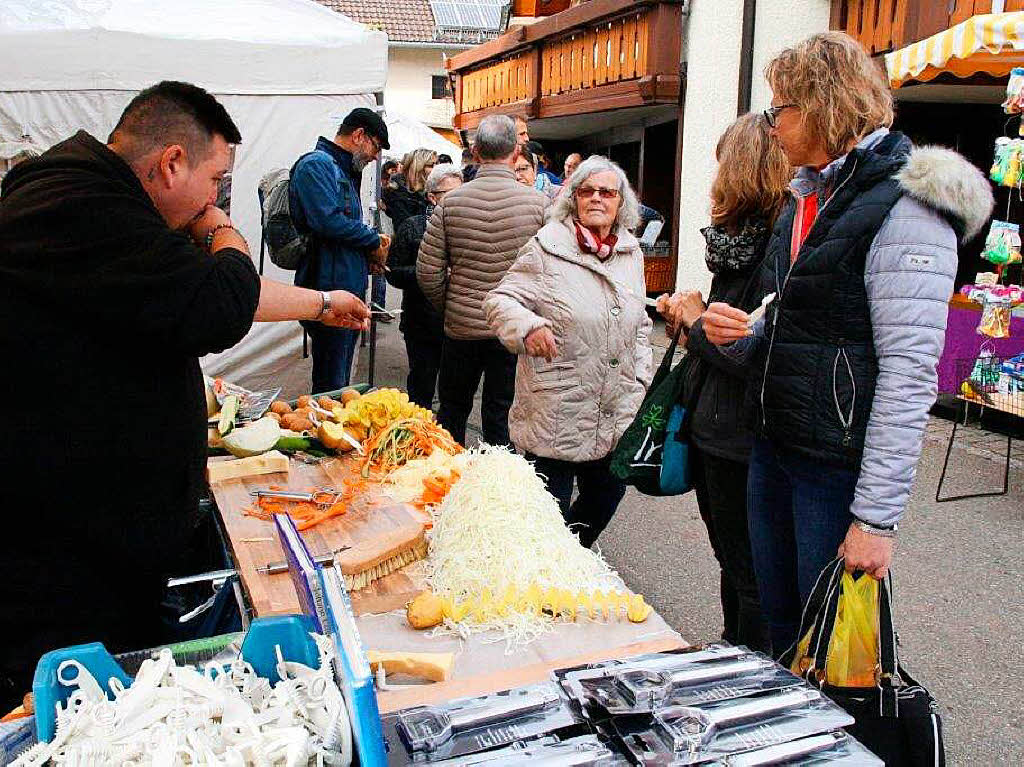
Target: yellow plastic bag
x=853 y=648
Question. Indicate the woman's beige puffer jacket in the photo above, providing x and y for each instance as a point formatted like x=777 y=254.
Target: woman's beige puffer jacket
x=576 y=407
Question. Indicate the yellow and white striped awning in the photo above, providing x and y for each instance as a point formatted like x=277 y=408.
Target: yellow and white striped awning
x=992 y=44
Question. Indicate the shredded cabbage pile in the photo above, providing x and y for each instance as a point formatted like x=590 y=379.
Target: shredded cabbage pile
x=499 y=527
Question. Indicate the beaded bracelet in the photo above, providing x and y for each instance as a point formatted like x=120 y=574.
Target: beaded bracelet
x=212 y=232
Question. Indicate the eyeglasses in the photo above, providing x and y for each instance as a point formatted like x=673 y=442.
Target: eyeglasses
x=586 y=192
x=771 y=113
x=376 y=144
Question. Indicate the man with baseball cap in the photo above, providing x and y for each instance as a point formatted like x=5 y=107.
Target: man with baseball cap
x=325 y=203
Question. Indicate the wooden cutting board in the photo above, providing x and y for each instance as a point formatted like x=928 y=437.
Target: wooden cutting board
x=371 y=516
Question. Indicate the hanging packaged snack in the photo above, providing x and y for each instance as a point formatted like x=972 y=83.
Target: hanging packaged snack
x=1006 y=161
x=995 y=317
x=1002 y=245
x=1013 y=104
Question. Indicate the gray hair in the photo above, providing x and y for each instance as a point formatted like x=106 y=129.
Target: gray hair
x=439 y=174
x=564 y=206
x=495 y=137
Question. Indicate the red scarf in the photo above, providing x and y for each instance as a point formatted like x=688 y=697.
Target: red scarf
x=591 y=243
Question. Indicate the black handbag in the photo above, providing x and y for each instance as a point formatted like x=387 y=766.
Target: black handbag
x=898 y=720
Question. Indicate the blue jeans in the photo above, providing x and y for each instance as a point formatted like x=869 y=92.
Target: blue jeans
x=798 y=514
x=332 y=349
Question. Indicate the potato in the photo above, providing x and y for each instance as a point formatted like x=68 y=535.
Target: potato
x=280 y=407
x=303 y=424
x=349 y=395
x=425 y=611
x=330 y=434
x=304 y=400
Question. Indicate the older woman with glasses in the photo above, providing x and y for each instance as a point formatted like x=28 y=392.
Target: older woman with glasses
x=572 y=307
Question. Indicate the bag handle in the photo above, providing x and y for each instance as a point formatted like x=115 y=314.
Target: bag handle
x=892 y=675
x=821 y=637
x=813 y=607
x=666 y=363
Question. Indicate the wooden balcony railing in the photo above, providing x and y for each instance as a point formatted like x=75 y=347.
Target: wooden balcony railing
x=604 y=54
x=886 y=25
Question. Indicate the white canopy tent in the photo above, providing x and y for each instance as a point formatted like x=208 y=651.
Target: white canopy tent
x=286 y=70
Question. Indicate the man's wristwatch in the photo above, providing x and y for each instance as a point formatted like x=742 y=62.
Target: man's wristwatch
x=325 y=307
x=879 y=530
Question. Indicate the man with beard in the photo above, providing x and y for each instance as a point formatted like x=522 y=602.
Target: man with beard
x=116 y=274
x=324 y=202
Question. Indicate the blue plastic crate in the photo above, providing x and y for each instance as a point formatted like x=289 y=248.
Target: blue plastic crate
x=290 y=632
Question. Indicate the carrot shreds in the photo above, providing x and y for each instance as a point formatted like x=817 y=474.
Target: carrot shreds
x=305 y=514
x=405 y=440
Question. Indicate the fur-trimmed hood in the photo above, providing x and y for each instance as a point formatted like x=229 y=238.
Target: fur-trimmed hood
x=947 y=182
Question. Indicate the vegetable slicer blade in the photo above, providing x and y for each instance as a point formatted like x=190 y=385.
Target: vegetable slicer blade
x=427 y=728
x=643 y=687
x=689 y=728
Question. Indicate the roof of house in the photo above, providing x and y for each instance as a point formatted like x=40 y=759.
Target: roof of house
x=403 y=20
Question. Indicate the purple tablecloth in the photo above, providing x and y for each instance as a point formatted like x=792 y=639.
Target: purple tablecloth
x=963 y=343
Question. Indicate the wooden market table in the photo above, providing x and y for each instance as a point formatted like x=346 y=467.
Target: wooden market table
x=482 y=664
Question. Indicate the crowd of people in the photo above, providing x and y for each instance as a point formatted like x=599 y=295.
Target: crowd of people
x=806 y=423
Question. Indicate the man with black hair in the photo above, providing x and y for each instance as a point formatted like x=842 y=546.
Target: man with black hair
x=116 y=274
x=325 y=203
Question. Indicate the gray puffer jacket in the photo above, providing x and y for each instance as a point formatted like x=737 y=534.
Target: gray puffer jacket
x=472 y=238
x=576 y=407
x=908 y=277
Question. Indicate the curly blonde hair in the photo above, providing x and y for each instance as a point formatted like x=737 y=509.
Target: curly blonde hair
x=753 y=174
x=841 y=93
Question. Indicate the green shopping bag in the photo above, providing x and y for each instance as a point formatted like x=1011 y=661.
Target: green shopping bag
x=653 y=454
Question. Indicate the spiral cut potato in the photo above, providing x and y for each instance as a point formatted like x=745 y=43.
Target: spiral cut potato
x=499 y=533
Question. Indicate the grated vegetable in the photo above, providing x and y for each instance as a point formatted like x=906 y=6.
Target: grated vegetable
x=499 y=531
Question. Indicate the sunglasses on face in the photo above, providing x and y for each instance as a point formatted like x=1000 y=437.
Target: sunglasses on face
x=771 y=114
x=586 y=192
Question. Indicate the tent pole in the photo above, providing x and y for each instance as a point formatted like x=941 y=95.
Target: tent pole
x=379 y=97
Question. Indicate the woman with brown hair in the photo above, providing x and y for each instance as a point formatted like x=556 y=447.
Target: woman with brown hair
x=746 y=197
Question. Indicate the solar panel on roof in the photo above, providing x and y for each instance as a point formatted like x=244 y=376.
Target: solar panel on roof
x=467 y=14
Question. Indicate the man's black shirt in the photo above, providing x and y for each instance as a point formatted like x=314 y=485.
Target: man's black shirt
x=104 y=312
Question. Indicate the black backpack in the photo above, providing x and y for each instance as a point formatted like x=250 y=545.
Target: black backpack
x=286 y=246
